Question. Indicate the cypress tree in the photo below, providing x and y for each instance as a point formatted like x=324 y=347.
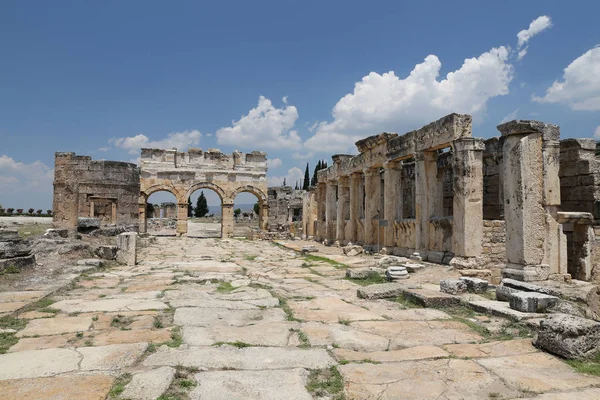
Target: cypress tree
x=306 y=183
x=190 y=208
x=284 y=182
x=201 y=206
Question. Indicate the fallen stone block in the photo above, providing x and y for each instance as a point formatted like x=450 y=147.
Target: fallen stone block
x=106 y=252
x=56 y=233
x=475 y=285
x=17 y=262
x=531 y=302
x=309 y=249
x=361 y=273
x=85 y=224
x=501 y=309
x=352 y=250
x=529 y=287
x=16 y=248
x=92 y=262
x=413 y=267
x=127 y=248
x=9 y=235
x=453 y=286
x=391 y=260
x=567 y=307
x=569 y=336
x=380 y=291
x=504 y=292
x=430 y=298
x=477 y=273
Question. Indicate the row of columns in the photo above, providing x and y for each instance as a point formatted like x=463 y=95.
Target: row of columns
x=467 y=208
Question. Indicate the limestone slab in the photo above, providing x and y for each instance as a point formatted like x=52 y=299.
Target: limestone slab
x=249 y=358
x=588 y=394
x=71 y=306
x=264 y=334
x=12 y=306
x=330 y=310
x=346 y=337
x=430 y=379
x=193 y=316
x=492 y=349
x=38 y=363
x=419 y=333
x=43 y=342
x=149 y=385
x=537 y=372
x=252 y=385
x=111 y=357
x=90 y=387
x=409 y=354
x=56 y=326
x=8 y=297
x=133 y=336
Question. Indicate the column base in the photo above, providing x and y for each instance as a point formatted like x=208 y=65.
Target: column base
x=526 y=273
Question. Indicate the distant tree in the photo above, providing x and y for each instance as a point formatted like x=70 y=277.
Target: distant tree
x=49 y=212
x=38 y=212
x=284 y=182
x=9 y=211
x=201 y=206
x=306 y=183
x=30 y=211
x=237 y=212
x=19 y=211
x=190 y=207
x=256 y=208
x=149 y=210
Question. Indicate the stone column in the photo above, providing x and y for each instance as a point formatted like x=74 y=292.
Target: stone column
x=467 y=207
x=263 y=216
x=143 y=217
x=226 y=220
x=372 y=215
x=320 y=198
x=92 y=208
x=355 y=199
x=113 y=212
x=330 y=212
x=342 y=208
x=531 y=193
x=182 y=216
x=425 y=188
x=391 y=197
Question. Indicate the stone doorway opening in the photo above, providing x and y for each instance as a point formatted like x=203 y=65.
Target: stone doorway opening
x=161 y=213
x=205 y=214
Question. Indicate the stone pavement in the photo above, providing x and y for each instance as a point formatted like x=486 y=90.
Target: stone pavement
x=236 y=319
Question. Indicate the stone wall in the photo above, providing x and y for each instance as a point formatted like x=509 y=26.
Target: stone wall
x=493 y=208
x=579 y=177
x=286 y=209
x=494 y=246
x=107 y=190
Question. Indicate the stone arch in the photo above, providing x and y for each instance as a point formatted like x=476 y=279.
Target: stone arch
x=206 y=185
x=262 y=197
x=145 y=194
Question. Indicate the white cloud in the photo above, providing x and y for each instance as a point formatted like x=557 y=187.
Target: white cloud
x=522 y=53
x=510 y=117
x=302 y=156
x=580 y=87
x=387 y=102
x=179 y=140
x=597 y=133
x=535 y=27
x=104 y=149
x=274 y=163
x=23 y=184
x=294 y=175
x=265 y=127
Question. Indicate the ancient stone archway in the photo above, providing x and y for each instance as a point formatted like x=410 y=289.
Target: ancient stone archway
x=262 y=201
x=182 y=173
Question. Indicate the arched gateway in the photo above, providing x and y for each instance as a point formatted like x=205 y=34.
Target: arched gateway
x=182 y=173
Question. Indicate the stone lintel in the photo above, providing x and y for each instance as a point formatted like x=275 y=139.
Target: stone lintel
x=371 y=142
x=523 y=127
x=583 y=218
x=584 y=144
x=468 y=143
x=338 y=158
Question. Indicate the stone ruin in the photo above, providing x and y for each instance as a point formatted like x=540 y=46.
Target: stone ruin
x=492 y=208
x=91 y=194
x=286 y=210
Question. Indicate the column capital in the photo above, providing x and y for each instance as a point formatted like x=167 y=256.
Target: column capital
x=391 y=164
x=371 y=171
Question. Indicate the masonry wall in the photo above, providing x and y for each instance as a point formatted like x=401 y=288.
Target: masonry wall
x=108 y=190
x=286 y=209
x=493 y=208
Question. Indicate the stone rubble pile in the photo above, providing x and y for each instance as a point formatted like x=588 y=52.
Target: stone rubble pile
x=14 y=251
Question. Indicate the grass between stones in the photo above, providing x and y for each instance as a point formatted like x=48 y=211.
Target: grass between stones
x=7 y=340
x=237 y=344
x=509 y=331
x=121 y=322
x=304 y=342
x=406 y=301
x=371 y=279
x=225 y=287
x=591 y=367
x=313 y=258
x=119 y=386
x=286 y=308
x=8 y=322
x=250 y=258
x=326 y=383
x=183 y=382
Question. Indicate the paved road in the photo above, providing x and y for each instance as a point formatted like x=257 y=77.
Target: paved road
x=237 y=319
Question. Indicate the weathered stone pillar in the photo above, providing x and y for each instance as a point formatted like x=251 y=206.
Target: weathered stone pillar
x=342 y=208
x=373 y=193
x=92 y=208
x=127 y=248
x=113 y=212
x=391 y=196
x=531 y=194
x=182 y=216
x=143 y=217
x=330 y=211
x=320 y=197
x=467 y=168
x=425 y=187
x=355 y=199
x=263 y=216
x=226 y=220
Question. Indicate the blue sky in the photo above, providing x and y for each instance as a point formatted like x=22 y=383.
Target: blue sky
x=300 y=80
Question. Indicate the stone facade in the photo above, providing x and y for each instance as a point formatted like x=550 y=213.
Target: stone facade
x=286 y=206
x=107 y=190
x=182 y=173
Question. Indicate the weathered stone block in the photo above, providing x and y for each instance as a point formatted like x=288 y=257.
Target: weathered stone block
x=475 y=285
x=453 y=286
x=9 y=235
x=92 y=262
x=568 y=336
x=504 y=292
x=88 y=223
x=380 y=291
x=531 y=302
x=529 y=287
x=18 y=262
x=56 y=233
x=107 y=252
x=361 y=273
x=395 y=273
x=127 y=248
